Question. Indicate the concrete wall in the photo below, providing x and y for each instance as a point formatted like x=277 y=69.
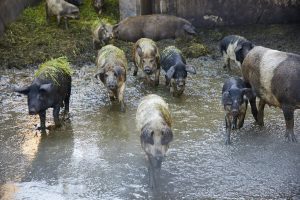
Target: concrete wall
x=11 y=9
x=227 y=12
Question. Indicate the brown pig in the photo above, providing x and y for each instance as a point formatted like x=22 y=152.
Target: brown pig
x=155 y=27
x=274 y=76
x=61 y=8
x=147 y=58
x=153 y=120
x=111 y=70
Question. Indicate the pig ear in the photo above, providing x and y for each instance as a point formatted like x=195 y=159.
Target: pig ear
x=190 y=29
x=147 y=136
x=46 y=87
x=24 y=90
x=171 y=72
x=139 y=51
x=191 y=69
x=100 y=75
x=248 y=93
x=225 y=98
x=167 y=135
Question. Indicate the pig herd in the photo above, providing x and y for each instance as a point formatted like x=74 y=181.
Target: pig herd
x=271 y=76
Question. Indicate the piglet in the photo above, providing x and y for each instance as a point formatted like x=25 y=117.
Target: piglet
x=173 y=63
x=235 y=96
x=147 y=58
x=111 y=70
x=51 y=88
x=153 y=120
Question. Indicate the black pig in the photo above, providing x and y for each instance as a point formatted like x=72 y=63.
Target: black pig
x=275 y=78
x=234 y=47
x=98 y=5
x=173 y=63
x=75 y=2
x=51 y=88
x=234 y=100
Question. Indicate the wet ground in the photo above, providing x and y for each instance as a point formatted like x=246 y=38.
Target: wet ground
x=97 y=153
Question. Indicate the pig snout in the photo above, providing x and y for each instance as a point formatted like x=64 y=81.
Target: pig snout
x=147 y=70
x=156 y=160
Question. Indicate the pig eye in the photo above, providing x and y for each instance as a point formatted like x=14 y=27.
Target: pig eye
x=152 y=61
x=143 y=61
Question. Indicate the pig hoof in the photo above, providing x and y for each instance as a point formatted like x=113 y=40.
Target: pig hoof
x=290 y=137
x=227 y=142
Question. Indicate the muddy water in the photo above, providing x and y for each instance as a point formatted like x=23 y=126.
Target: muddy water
x=97 y=153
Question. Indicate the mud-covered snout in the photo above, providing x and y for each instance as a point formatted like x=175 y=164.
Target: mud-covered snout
x=112 y=82
x=156 y=160
x=32 y=111
x=148 y=70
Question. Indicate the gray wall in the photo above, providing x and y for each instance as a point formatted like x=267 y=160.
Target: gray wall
x=11 y=9
x=227 y=12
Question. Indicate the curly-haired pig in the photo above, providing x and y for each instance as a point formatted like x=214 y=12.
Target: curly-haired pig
x=147 y=58
x=98 y=5
x=234 y=47
x=235 y=94
x=111 y=70
x=61 y=8
x=173 y=63
x=275 y=78
x=155 y=27
x=51 y=88
x=102 y=34
x=153 y=120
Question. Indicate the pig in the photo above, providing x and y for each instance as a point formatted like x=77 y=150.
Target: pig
x=61 y=8
x=234 y=47
x=147 y=58
x=275 y=78
x=176 y=69
x=111 y=70
x=235 y=95
x=51 y=88
x=155 y=27
x=102 y=35
x=153 y=120
x=98 y=5
x=75 y=2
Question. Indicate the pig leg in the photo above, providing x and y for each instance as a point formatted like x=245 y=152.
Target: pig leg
x=67 y=104
x=228 y=129
x=66 y=23
x=260 y=114
x=58 y=20
x=135 y=70
x=226 y=61
x=242 y=115
x=173 y=87
x=253 y=107
x=157 y=77
x=167 y=81
x=121 y=97
x=42 y=127
x=56 y=110
x=288 y=112
x=47 y=13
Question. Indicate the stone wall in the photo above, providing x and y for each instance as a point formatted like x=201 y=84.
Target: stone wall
x=225 y=12
x=11 y=9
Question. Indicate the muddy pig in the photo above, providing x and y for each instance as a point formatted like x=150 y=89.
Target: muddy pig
x=111 y=70
x=235 y=95
x=102 y=35
x=61 y=8
x=234 y=47
x=98 y=5
x=153 y=120
x=146 y=57
x=51 y=88
x=173 y=63
x=75 y=2
x=275 y=78
x=155 y=27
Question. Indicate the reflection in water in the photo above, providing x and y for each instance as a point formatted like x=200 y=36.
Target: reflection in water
x=98 y=154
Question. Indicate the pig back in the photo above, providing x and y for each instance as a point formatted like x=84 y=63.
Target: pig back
x=170 y=57
x=152 y=109
x=110 y=55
